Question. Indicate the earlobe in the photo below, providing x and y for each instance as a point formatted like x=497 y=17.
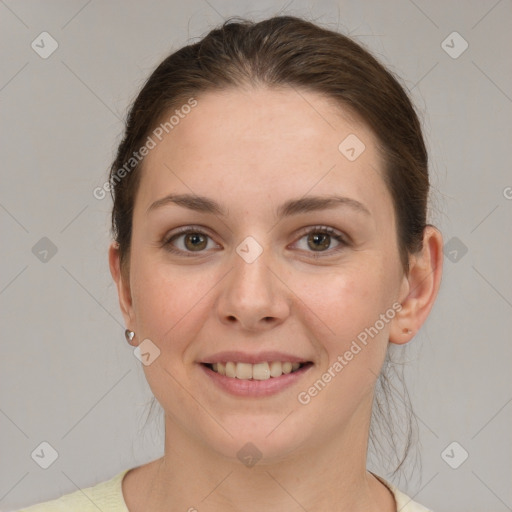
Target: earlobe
x=123 y=286
x=421 y=287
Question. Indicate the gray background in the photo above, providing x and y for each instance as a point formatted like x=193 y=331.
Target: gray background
x=69 y=378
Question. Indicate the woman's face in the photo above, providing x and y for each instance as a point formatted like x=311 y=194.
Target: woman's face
x=257 y=278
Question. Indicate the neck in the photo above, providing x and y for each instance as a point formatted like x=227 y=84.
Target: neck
x=328 y=475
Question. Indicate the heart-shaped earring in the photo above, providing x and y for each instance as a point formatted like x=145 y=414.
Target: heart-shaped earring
x=129 y=335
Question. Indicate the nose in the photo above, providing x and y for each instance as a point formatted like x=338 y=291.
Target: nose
x=253 y=296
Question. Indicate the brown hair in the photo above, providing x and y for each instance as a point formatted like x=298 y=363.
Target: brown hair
x=279 y=52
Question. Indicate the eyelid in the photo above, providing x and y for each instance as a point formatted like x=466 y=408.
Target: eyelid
x=343 y=240
x=323 y=229
x=166 y=242
x=192 y=228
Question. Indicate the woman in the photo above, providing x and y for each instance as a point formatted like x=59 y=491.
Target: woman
x=270 y=242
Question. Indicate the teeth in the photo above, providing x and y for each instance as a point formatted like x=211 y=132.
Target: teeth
x=243 y=370
x=276 y=369
x=230 y=369
x=287 y=367
x=258 y=371
x=221 y=368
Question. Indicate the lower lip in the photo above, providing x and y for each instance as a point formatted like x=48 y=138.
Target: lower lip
x=255 y=388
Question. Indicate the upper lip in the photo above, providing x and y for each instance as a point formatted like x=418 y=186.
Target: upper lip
x=253 y=358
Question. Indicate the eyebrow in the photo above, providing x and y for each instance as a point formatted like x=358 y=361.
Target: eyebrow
x=307 y=204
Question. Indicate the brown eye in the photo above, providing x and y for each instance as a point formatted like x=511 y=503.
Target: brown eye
x=319 y=241
x=189 y=241
x=195 y=241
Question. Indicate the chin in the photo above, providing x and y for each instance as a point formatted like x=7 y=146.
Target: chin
x=258 y=439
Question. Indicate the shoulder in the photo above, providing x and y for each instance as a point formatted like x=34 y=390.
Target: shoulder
x=403 y=502
x=406 y=504
x=106 y=496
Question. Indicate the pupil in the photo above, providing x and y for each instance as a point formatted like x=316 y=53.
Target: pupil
x=322 y=238
x=195 y=241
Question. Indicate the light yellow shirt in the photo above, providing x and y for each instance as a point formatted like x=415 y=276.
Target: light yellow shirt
x=108 y=497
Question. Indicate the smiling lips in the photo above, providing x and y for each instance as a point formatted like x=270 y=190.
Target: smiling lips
x=254 y=375
x=258 y=371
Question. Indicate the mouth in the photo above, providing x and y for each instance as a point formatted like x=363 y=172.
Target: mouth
x=261 y=371
x=257 y=375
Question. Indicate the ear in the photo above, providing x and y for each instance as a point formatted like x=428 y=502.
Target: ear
x=419 y=288
x=123 y=285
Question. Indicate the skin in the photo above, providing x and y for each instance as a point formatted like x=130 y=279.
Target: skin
x=251 y=150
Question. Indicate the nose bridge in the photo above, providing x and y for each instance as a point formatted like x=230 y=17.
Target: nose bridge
x=251 y=277
x=252 y=294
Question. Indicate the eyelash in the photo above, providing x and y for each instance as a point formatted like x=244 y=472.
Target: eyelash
x=336 y=235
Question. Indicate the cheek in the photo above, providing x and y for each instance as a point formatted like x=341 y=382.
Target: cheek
x=168 y=303
x=345 y=299
x=345 y=306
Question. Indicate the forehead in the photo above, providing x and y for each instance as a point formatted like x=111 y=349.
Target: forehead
x=257 y=117
x=267 y=142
